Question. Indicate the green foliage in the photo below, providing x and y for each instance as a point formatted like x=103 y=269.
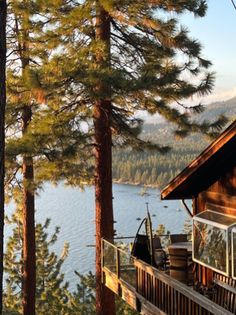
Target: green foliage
x=122 y=308
x=52 y=295
x=59 y=146
x=154 y=65
x=146 y=168
x=161 y=230
x=152 y=168
x=83 y=299
x=149 y=167
x=51 y=291
x=188 y=227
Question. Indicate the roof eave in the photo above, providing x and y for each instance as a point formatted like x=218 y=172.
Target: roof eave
x=171 y=192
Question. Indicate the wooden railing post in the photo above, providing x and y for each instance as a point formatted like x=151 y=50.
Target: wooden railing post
x=117 y=262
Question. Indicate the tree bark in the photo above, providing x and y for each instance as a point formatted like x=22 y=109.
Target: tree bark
x=105 y=300
x=29 y=247
x=3 y=15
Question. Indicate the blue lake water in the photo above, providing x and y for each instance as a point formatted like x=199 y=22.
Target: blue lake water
x=73 y=210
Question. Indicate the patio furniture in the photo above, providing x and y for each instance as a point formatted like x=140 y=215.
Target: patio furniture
x=160 y=256
x=176 y=238
x=180 y=265
x=140 y=248
x=182 y=245
x=149 y=248
x=156 y=241
x=160 y=259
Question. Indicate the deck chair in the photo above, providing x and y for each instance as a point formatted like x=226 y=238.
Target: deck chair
x=180 y=266
x=145 y=247
x=156 y=241
x=140 y=248
x=159 y=255
x=143 y=244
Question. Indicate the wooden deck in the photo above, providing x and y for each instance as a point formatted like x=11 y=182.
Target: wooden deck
x=151 y=291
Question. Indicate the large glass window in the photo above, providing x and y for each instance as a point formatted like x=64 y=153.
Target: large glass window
x=211 y=240
x=210 y=246
x=234 y=253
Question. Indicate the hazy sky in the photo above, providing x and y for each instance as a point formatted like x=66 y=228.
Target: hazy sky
x=216 y=32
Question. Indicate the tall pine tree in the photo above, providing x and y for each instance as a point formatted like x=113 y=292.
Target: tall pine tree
x=3 y=15
x=103 y=156
x=118 y=57
x=43 y=141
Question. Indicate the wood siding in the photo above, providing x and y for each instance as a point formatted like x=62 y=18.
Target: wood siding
x=221 y=196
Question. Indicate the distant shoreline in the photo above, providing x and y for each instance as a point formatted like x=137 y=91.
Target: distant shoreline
x=135 y=184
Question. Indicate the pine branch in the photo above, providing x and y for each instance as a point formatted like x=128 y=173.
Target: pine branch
x=233 y=3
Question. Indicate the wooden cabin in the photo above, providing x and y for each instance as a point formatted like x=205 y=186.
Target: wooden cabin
x=210 y=181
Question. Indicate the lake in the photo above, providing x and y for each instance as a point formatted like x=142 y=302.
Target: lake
x=73 y=210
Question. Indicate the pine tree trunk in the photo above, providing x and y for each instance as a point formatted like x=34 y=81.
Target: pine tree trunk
x=29 y=283
x=105 y=300
x=29 y=248
x=3 y=14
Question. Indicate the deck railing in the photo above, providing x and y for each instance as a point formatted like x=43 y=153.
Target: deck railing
x=119 y=262
x=149 y=290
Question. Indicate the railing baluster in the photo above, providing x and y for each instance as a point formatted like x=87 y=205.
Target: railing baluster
x=171 y=301
x=117 y=262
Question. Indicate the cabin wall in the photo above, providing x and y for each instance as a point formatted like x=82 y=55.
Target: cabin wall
x=220 y=197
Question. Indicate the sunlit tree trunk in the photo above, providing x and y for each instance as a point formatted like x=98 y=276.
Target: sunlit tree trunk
x=29 y=247
x=3 y=15
x=105 y=304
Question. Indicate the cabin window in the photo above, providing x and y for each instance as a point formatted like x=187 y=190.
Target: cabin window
x=212 y=240
x=234 y=253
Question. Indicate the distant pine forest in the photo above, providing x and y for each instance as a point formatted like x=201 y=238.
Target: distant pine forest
x=152 y=168
x=156 y=170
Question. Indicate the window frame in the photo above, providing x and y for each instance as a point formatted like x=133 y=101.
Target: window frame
x=229 y=244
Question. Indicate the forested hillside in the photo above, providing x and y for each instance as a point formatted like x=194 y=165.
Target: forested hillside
x=154 y=169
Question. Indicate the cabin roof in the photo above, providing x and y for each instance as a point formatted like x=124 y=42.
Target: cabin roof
x=207 y=168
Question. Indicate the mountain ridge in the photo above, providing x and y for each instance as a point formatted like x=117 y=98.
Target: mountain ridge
x=211 y=112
